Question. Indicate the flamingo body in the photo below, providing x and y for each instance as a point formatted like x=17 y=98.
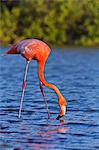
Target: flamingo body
x=38 y=50
x=32 y=49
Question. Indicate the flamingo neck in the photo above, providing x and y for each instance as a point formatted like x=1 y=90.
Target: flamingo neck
x=42 y=79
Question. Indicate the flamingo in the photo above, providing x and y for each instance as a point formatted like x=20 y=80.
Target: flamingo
x=34 y=49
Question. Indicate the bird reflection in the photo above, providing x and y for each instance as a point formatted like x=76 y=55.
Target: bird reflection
x=58 y=128
x=47 y=133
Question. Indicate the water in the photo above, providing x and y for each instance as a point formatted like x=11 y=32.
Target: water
x=76 y=73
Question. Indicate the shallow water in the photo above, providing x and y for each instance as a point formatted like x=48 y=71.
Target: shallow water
x=76 y=73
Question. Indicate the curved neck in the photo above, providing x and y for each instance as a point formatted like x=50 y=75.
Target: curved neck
x=42 y=79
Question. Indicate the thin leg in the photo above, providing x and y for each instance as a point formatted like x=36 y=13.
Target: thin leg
x=23 y=87
x=42 y=91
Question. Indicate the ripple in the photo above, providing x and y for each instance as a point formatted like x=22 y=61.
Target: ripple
x=77 y=77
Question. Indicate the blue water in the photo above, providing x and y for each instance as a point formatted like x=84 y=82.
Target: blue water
x=76 y=73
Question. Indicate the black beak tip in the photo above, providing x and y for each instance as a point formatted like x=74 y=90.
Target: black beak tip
x=59 y=117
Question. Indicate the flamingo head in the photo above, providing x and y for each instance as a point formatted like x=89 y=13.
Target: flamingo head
x=62 y=105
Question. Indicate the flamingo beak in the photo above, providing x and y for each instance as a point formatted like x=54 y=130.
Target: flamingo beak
x=62 y=112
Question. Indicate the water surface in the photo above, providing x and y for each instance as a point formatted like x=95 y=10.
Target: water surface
x=76 y=73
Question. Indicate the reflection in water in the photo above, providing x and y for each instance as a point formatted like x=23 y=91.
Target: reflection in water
x=47 y=134
x=53 y=129
x=39 y=146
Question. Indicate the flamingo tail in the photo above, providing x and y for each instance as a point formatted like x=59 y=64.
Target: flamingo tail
x=11 y=51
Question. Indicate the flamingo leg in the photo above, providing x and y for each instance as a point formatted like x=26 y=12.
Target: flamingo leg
x=42 y=91
x=23 y=87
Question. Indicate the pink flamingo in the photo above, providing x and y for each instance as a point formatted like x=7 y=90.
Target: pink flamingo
x=34 y=49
